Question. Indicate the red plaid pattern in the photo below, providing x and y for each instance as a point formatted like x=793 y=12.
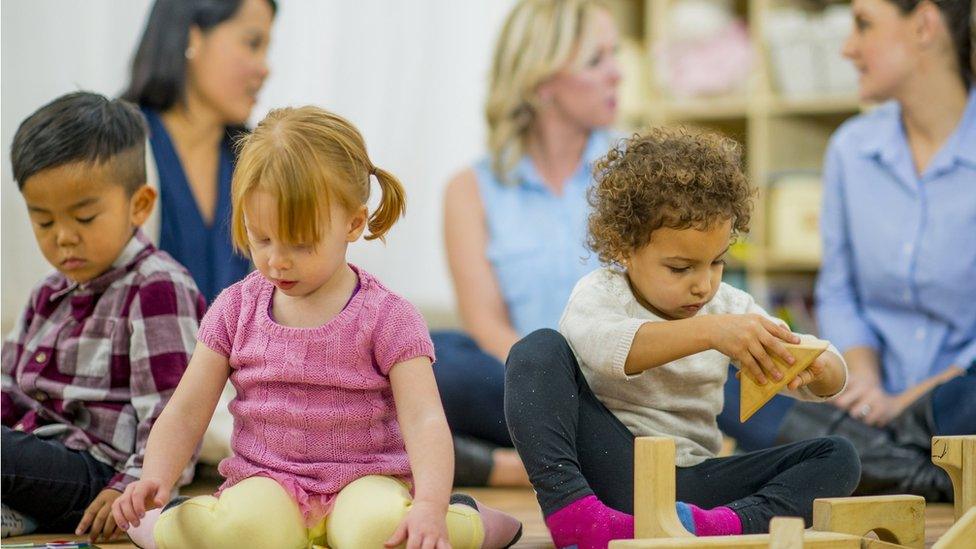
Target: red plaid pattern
x=94 y=365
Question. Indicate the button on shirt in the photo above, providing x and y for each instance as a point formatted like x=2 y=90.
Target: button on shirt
x=899 y=266
x=93 y=365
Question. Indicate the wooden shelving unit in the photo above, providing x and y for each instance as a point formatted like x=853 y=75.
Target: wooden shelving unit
x=778 y=133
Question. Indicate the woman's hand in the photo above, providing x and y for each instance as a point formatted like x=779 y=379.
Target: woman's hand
x=424 y=527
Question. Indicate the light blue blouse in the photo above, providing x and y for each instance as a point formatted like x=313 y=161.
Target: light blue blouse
x=899 y=266
x=536 y=239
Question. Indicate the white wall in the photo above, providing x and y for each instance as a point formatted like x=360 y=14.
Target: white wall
x=410 y=74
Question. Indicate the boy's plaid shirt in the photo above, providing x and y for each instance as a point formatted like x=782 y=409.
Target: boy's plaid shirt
x=92 y=366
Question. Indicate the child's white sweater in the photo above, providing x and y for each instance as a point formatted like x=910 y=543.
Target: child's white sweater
x=680 y=399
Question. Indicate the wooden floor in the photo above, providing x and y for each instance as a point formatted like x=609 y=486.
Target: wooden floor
x=522 y=504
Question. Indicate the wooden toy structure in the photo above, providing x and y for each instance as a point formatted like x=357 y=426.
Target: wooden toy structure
x=753 y=396
x=838 y=523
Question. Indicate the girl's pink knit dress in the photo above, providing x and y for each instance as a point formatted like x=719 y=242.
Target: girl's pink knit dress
x=314 y=408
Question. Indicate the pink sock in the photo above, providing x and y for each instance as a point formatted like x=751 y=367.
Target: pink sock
x=589 y=524
x=718 y=521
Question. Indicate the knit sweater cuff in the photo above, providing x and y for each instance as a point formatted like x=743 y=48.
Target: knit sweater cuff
x=625 y=341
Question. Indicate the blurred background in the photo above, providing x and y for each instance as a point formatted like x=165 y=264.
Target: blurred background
x=413 y=77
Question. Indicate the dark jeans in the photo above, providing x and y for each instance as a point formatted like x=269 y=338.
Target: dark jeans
x=48 y=482
x=952 y=406
x=573 y=446
x=471 y=383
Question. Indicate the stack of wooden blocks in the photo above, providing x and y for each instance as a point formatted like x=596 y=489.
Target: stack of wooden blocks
x=838 y=523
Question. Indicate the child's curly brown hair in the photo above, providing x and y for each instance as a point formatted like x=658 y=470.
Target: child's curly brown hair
x=665 y=177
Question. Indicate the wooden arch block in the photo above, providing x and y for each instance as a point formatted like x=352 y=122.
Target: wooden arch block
x=957 y=455
x=961 y=533
x=753 y=396
x=811 y=540
x=896 y=519
x=786 y=533
x=654 y=490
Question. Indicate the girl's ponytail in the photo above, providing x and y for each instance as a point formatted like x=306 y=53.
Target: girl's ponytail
x=393 y=204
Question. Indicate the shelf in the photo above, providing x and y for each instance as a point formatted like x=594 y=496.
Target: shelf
x=778 y=133
x=842 y=104
x=772 y=263
x=698 y=109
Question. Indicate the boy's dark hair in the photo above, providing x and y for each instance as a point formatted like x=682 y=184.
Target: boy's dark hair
x=665 y=177
x=82 y=127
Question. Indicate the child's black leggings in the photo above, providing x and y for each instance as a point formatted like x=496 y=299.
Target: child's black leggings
x=573 y=446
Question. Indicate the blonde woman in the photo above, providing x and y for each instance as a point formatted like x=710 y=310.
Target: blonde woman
x=515 y=221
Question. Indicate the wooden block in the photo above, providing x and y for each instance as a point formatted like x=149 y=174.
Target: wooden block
x=753 y=396
x=871 y=543
x=786 y=533
x=654 y=490
x=811 y=540
x=895 y=519
x=957 y=455
x=962 y=533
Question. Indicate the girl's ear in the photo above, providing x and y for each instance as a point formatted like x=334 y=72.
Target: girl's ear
x=357 y=224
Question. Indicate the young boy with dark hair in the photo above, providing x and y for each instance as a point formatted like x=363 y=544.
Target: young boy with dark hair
x=104 y=340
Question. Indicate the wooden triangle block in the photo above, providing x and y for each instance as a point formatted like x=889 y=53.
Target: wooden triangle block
x=753 y=396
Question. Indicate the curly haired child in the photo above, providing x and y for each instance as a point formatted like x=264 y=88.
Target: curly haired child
x=643 y=350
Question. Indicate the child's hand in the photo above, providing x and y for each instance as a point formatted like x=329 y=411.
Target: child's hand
x=139 y=497
x=423 y=527
x=748 y=340
x=99 y=517
x=815 y=371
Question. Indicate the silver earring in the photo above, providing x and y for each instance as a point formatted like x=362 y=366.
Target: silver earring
x=189 y=53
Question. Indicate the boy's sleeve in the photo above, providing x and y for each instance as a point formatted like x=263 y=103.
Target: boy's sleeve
x=401 y=334
x=164 y=318
x=13 y=399
x=803 y=393
x=599 y=330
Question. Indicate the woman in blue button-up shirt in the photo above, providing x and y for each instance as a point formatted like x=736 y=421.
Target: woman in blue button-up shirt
x=515 y=222
x=896 y=291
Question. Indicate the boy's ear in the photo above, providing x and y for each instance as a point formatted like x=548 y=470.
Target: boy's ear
x=357 y=224
x=141 y=204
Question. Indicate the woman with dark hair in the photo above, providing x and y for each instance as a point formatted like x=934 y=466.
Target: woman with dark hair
x=895 y=291
x=196 y=75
